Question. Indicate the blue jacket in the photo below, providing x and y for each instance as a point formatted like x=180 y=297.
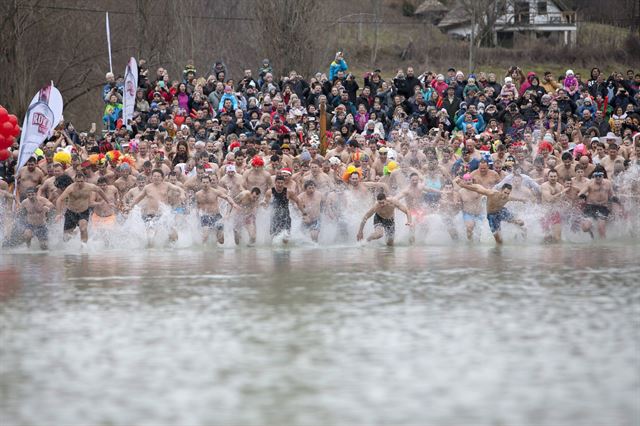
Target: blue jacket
x=462 y=125
x=232 y=98
x=340 y=65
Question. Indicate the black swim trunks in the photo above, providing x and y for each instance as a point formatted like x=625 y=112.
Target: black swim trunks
x=40 y=231
x=389 y=225
x=596 y=211
x=72 y=219
x=312 y=226
x=212 y=221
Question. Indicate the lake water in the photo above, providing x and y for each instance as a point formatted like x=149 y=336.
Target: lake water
x=448 y=335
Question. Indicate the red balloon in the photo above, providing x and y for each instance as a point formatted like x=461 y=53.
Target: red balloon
x=4 y=154
x=16 y=130
x=7 y=142
x=6 y=129
x=4 y=114
x=12 y=119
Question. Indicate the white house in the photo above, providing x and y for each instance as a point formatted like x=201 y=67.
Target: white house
x=520 y=19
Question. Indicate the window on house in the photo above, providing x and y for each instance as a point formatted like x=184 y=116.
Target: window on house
x=521 y=10
x=542 y=8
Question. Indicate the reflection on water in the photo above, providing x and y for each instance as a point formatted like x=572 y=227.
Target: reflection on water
x=337 y=335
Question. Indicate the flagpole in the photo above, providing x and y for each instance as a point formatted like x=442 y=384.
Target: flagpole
x=109 y=42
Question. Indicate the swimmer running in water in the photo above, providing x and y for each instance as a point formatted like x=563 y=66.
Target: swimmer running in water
x=210 y=217
x=77 y=211
x=496 y=211
x=384 y=224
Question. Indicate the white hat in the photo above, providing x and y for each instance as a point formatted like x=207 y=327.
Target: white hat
x=334 y=161
x=231 y=168
x=508 y=80
x=569 y=72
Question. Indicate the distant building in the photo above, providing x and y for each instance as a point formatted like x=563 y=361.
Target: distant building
x=432 y=11
x=518 y=20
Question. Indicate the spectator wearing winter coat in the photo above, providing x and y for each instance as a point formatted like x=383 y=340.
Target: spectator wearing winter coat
x=527 y=84
x=466 y=119
x=216 y=95
x=509 y=87
x=337 y=65
x=228 y=94
x=550 y=84
x=571 y=85
x=439 y=85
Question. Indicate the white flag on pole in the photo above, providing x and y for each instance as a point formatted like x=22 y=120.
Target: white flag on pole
x=129 y=95
x=43 y=115
x=109 y=42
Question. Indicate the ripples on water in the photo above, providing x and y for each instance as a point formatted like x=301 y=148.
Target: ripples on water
x=544 y=335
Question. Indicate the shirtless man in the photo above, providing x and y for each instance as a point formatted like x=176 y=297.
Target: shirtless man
x=322 y=181
x=29 y=177
x=279 y=197
x=36 y=209
x=360 y=190
x=156 y=194
x=48 y=189
x=485 y=176
x=77 y=210
x=383 y=212
x=496 y=211
x=598 y=194
x=552 y=193
x=125 y=181
x=245 y=215
x=336 y=206
x=609 y=161
x=311 y=202
x=471 y=206
x=414 y=196
x=381 y=161
x=141 y=182
x=210 y=217
x=567 y=168
x=193 y=184
x=104 y=213
x=289 y=182
x=450 y=205
x=579 y=182
x=177 y=197
x=257 y=176
x=103 y=171
x=232 y=181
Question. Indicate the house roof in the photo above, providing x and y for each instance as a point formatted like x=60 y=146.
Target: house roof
x=457 y=15
x=429 y=6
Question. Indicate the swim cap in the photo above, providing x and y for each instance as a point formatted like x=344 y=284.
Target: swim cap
x=351 y=170
x=257 y=161
x=390 y=167
x=467 y=176
x=231 y=168
x=334 y=161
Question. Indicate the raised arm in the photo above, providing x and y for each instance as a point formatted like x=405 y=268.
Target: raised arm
x=473 y=187
x=228 y=199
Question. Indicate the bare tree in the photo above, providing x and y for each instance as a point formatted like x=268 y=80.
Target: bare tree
x=482 y=15
x=287 y=33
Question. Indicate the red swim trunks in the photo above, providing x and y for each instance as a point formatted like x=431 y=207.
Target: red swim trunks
x=553 y=218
